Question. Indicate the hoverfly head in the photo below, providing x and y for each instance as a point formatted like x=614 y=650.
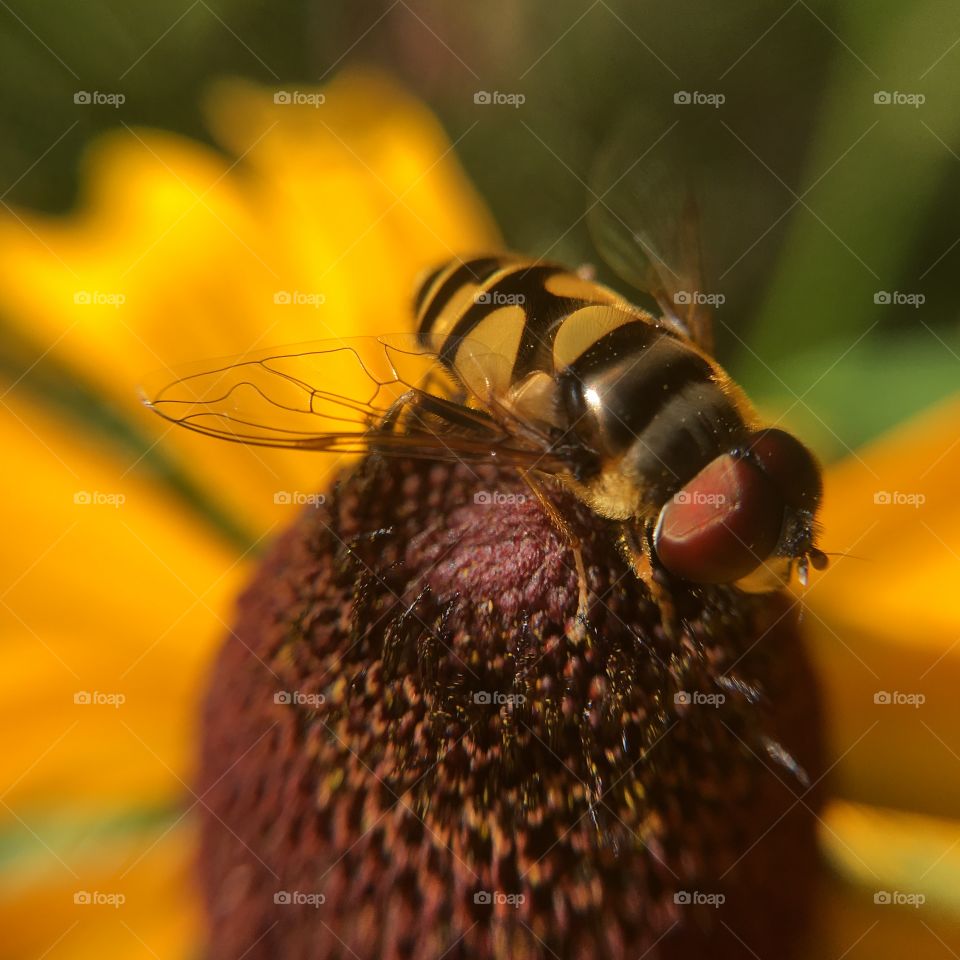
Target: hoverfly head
x=747 y=517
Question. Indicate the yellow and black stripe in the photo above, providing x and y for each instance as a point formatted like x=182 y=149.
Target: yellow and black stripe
x=634 y=390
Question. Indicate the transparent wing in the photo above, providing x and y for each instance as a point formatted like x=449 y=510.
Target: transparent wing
x=674 y=204
x=355 y=395
x=643 y=218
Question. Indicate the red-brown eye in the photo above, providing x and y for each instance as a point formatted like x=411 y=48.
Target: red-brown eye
x=722 y=525
x=790 y=465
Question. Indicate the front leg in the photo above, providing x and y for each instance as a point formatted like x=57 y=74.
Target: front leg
x=573 y=543
x=636 y=546
x=438 y=415
x=391 y=419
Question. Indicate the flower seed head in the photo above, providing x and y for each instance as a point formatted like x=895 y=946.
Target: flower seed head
x=412 y=749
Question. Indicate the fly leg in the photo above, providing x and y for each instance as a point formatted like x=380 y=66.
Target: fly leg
x=636 y=545
x=424 y=411
x=391 y=418
x=572 y=541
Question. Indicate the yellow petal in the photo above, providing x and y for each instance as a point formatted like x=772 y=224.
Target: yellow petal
x=316 y=228
x=912 y=857
x=895 y=505
x=114 y=601
x=895 y=889
x=848 y=925
x=884 y=623
x=131 y=898
x=415 y=206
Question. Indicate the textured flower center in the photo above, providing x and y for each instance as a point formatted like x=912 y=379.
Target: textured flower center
x=412 y=749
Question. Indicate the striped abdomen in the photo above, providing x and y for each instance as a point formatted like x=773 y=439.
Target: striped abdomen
x=648 y=407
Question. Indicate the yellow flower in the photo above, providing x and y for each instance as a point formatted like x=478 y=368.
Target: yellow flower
x=884 y=629
x=314 y=223
x=116 y=587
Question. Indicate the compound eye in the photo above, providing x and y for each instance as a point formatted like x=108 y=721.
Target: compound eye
x=722 y=525
x=790 y=465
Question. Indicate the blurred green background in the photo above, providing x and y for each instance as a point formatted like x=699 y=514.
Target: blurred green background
x=848 y=198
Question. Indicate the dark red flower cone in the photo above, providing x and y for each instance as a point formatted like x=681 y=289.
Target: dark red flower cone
x=411 y=749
